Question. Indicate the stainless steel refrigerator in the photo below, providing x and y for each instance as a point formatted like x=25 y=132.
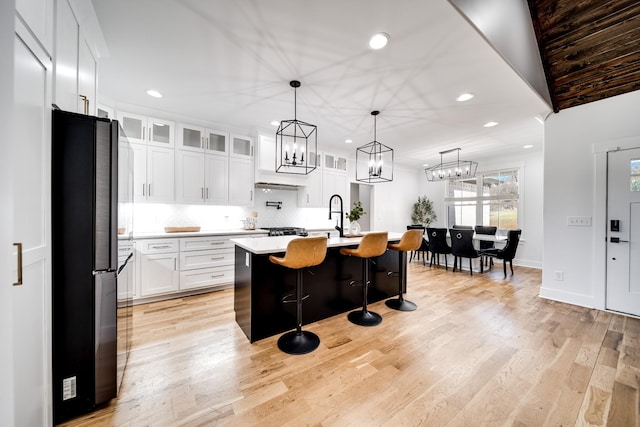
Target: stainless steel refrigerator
x=84 y=201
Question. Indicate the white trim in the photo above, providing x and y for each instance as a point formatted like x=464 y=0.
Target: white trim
x=567 y=297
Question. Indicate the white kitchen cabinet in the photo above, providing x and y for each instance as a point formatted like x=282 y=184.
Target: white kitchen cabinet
x=241 y=146
x=126 y=278
x=310 y=196
x=335 y=183
x=153 y=170
x=202 y=140
x=206 y=262
x=147 y=130
x=334 y=161
x=75 y=65
x=201 y=178
x=241 y=183
x=38 y=15
x=158 y=266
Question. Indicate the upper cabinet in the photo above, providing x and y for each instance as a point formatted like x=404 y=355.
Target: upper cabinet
x=200 y=139
x=335 y=162
x=75 y=66
x=147 y=130
x=241 y=146
x=38 y=15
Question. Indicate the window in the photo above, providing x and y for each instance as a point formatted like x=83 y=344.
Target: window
x=490 y=198
x=635 y=175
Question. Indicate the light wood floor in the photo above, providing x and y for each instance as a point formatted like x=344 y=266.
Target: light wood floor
x=479 y=351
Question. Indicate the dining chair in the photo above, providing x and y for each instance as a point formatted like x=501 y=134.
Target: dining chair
x=438 y=245
x=462 y=247
x=508 y=253
x=424 y=246
x=484 y=244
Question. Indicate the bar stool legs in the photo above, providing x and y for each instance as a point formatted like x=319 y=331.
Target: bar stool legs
x=364 y=317
x=298 y=341
x=400 y=303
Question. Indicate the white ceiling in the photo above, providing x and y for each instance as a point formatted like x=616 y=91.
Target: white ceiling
x=230 y=61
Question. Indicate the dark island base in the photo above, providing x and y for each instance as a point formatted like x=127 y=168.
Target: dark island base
x=261 y=285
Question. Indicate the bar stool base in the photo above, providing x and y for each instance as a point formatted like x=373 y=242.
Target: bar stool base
x=364 y=318
x=401 y=304
x=295 y=342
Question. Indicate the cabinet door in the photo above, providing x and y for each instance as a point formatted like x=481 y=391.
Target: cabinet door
x=336 y=162
x=190 y=138
x=190 y=184
x=311 y=195
x=38 y=15
x=241 y=146
x=159 y=273
x=267 y=154
x=216 y=142
x=206 y=277
x=160 y=176
x=139 y=172
x=134 y=127
x=160 y=132
x=216 y=179
x=240 y=182
x=335 y=183
x=66 y=58
x=86 y=80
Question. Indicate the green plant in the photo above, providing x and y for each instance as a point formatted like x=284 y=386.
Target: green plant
x=356 y=213
x=422 y=212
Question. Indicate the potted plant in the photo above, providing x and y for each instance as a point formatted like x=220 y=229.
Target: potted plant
x=422 y=212
x=353 y=217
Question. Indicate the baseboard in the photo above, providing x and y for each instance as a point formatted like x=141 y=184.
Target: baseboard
x=582 y=300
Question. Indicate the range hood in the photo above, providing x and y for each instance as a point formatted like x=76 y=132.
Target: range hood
x=275 y=186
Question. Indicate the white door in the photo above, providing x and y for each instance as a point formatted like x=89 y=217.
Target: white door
x=623 y=237
x=31 y=299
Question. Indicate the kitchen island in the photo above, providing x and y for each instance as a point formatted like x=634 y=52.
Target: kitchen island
x=260 y=285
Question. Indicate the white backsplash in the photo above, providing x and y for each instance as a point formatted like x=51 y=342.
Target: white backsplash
x=153 y=217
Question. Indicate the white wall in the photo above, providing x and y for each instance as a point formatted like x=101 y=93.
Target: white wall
x=573 y=187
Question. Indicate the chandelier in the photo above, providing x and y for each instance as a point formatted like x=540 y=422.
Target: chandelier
x=454 y=169
x=374 y=161
x=296 y=143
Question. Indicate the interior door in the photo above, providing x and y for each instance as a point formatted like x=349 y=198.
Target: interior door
x=31 y=212
x=623 y=231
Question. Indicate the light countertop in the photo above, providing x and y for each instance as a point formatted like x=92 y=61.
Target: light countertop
x=277 y=244
x=202 y=233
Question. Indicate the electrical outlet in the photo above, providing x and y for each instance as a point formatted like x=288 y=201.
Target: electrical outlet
x=558 y=275
x=580 y=221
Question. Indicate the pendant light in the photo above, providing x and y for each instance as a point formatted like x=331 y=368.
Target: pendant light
x=454 y=169
x=296 y=143
x=374 y=161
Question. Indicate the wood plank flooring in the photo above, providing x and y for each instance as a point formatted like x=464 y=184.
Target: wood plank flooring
x=479 y=351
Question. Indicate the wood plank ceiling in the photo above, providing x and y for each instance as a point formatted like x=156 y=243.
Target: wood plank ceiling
x=590 y=49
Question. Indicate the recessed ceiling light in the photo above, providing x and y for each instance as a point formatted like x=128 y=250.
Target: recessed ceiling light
x=154 y=93
x=425 y=165
x=465 y=97
x=348 y=141
x=527 y=146
x=490 y=124
x=275 y=123
x=378 y=41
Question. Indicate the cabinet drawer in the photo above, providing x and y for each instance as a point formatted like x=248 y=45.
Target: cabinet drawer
x=205 y=259
x=199 y=243
x=158 y=246
x=206 y=277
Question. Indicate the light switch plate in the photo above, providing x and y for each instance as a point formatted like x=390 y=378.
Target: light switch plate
x=579 y=221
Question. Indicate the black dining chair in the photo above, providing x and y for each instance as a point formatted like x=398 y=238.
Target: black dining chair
x=462 y=247
x=508 y=253
x=424 y=246
x=438 y=245
x=484 y=244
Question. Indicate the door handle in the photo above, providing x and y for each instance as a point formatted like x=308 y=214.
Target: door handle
x=617 y=240
x=19 y=247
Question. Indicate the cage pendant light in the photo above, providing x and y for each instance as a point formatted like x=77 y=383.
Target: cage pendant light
x=455 y=169
x=374 y=161
x=296 y=143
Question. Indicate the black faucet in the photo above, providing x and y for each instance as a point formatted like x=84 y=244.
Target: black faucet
x=341 y=212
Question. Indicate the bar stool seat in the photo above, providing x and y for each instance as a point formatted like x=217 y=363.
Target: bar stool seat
x=411 y=240
x=371 y=245
x=301 y=253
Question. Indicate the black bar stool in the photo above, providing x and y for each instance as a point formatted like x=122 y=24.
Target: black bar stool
x=372 y=245
x=301 y=253
x=411 y=240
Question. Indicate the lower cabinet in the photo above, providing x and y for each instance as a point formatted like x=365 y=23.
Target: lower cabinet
x=177 y=265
